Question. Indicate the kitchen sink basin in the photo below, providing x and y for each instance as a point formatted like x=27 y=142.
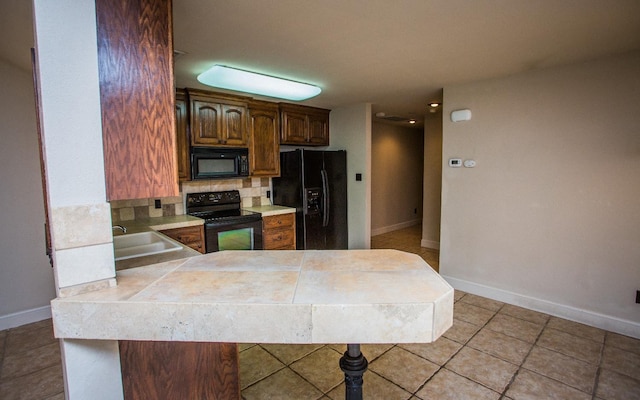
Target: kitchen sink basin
x=142 y=244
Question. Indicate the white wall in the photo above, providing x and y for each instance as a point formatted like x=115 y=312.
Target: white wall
x=432 y=187
x=550 y=217
x=396 y=177
x=350 y=129
x=26 y=277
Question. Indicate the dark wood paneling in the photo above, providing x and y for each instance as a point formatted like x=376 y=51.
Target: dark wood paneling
x=135 y=56
x=179 y=370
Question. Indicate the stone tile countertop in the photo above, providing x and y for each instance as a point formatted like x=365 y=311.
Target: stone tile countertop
x=268 y=211
x=312 y=296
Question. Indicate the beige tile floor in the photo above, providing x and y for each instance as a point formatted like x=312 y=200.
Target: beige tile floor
x=493 y=351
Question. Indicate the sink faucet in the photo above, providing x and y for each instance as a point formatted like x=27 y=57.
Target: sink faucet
x=122 y=228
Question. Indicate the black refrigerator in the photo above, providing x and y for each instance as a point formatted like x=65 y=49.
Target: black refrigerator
x=315 y=183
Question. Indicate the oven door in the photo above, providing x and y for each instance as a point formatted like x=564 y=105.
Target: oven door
x=231 y=235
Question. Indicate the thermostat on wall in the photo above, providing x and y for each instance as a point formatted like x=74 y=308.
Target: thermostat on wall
x=469 y=163
x=455 y=162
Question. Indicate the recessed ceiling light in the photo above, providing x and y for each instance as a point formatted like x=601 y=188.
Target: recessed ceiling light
x=412 y=121
x=224 y=77
x=434 y=105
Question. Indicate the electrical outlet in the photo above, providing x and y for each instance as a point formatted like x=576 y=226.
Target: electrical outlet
x=638 y=296
x=158 y=204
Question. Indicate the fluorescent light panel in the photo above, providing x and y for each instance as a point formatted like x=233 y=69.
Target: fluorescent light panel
x=224 y=77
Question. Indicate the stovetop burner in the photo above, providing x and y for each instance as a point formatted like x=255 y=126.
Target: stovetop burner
x=219 y=207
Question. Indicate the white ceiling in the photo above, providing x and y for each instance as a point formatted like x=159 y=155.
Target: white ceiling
x=396 y=54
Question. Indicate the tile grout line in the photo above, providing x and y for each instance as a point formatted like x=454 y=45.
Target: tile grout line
x=599 y=369
x=599 y=363
x=548 y=377
x=520 y=367
x=288 y=366
x=4 y=351
x=440 y=367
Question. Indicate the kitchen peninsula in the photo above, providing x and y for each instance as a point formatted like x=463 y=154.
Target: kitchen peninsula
x=333 y=296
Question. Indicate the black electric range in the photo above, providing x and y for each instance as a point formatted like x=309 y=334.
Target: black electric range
x=227 y=225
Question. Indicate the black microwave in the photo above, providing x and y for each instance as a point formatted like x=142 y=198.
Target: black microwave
x=219 y=162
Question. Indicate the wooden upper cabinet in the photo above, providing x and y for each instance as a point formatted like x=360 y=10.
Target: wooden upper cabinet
x=264 y=129
x=294 y=129
x=135 y=63
x=302 y=125
x=206 y=124
x=234 y=128
x=182 y=136
x=218 y=119
x=318 y=127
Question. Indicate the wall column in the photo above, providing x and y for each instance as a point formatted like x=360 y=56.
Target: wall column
x=69 y=107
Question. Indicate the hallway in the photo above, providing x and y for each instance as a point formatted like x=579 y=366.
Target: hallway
x=407 y=239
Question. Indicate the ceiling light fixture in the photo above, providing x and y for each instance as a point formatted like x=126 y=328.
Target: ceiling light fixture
x=224 y=77
x=412 y=121
x=434 y=105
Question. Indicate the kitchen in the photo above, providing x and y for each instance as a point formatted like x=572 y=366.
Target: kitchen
x=77 y=249
x=361 y=120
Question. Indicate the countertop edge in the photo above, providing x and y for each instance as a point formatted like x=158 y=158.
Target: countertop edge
x=121 y=313
x=271 y=210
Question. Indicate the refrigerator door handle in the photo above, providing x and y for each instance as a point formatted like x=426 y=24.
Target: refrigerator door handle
x=325 y=198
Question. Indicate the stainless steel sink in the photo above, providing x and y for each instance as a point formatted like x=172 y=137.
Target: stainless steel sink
x=142 y=244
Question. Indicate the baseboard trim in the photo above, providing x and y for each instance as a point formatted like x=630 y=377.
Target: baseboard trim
x=606 y=322
x=24 y=317
x=430 y=244
x=395 y=227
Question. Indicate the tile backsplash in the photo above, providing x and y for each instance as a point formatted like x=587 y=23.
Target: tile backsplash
x=252 y=190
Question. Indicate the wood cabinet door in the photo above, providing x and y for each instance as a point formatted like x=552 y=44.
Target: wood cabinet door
x=279 y=232
x=179 y=370
x=182 y=138
x=206 y=123
x=294 y=128
x=137 y=98
x=192 y=236
x=318 y=133
x=234 y=125
x=264 y=154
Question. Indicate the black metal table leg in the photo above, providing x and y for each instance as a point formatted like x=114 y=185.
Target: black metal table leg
x=353 y=364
